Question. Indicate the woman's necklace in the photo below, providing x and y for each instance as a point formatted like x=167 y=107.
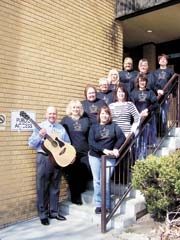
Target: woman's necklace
x=75 y=118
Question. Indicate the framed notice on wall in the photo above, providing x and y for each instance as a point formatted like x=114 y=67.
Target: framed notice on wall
x=2 y=121
x=19 y=123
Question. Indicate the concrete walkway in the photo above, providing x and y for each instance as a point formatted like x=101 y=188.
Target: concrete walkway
x=78 y=229
x=67 y=230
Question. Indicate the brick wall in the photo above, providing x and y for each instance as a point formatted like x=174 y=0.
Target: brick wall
x=49 y=51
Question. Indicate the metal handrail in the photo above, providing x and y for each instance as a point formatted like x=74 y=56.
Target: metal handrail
x=129 y=142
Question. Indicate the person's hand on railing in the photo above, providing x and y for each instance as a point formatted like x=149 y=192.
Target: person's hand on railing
x=170 y=97
x=114 y=152
x=160 y=92
x=144 y=113
x=107 y=152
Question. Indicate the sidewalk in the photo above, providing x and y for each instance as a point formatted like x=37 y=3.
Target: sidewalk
x=67 y=230
x=78 y=229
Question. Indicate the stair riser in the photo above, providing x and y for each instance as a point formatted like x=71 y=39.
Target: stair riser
x=175 y=132
x=125 y=215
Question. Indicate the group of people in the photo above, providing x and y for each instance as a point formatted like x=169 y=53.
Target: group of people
x=96 y=126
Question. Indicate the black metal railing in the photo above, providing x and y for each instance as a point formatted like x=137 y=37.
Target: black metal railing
x=121 y=180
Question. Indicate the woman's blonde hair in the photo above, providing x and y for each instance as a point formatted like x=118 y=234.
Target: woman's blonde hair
x=113 y=71
x=74 y=103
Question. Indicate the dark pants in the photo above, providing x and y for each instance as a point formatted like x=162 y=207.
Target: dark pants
x=163 y=118
x=48 y=186
x=77 y=175
x=142 y=143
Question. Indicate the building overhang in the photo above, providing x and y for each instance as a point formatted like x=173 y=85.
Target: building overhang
x=158 y=25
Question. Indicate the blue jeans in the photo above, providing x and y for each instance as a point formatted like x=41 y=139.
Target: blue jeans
x=153 y=131
x=95 y=164
x=141 y=148
x=164 y=115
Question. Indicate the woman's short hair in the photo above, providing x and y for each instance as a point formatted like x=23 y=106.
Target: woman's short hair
x=141 y=61
x=141 y=76
x=107 y=110
x=123 y=89
x=86 y=89
x=74 y=103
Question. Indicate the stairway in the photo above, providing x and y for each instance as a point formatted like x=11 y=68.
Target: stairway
x=131 y=208
x=171 y=143
x=124 y=216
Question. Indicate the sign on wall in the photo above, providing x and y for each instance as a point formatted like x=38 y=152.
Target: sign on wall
x=2 y=121
x=19 y=123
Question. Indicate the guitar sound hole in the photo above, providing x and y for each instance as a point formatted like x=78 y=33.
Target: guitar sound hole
x=62 y=152
x=61 y=144
x=54 y=144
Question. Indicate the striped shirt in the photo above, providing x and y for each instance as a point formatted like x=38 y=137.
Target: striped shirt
x=125 y=115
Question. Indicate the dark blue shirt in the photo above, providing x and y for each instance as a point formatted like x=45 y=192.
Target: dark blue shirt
x=91 y=109
x=78 y=130
x=162 y=76
x=151 y=82
x=113 y=86
x=144 y=99
x=108 y=97
x=109 y=136
x=127 y=78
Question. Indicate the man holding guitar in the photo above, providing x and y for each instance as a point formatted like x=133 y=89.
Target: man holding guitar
x=48 y=172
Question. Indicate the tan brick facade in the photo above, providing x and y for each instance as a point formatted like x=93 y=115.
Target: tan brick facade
x=49 y=51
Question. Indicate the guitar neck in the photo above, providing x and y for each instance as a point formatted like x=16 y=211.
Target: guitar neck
x=35 y=124
x=39 y=128
x=27 y=117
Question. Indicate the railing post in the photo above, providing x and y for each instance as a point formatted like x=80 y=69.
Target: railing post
x=178 y=103
x=103 y=194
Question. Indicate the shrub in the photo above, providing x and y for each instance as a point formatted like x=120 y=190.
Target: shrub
x=158 y=178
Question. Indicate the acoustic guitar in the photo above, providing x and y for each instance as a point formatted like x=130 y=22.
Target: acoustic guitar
x=60 y=152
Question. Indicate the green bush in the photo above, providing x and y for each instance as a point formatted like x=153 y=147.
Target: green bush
x=158 y=178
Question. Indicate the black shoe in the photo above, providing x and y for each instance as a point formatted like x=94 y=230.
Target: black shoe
x=58 y=217
x=98 y=210
x=45 y=221
x=77 y=201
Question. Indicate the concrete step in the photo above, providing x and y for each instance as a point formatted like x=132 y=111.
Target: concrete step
x=123 y=222
x=177 y=142
x=87 y=197
x=85 y=211
x=163 y=151
x=127 y=212
x=125 y=215
x=132 y=205
x=175 y=132
x=170 y=144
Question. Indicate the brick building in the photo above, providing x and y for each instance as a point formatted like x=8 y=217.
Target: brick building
x=49 y=51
